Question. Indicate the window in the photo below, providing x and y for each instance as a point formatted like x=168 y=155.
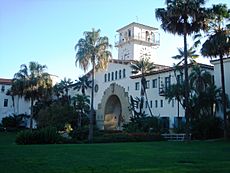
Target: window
x=119 y=74
x=112 y=76
x=124 y=73
x=147 y=84
x=179 y=79
x=5 y=102
x=129 y=32
x=154 y=83
x=162 y=103
x=151 y=104
x=3 y=88
x=167 y=82
x=146 y=104
x=165 y=122
x=156 y=104
x=172 y=103
x=105 y=77
x=179 y=122
x=116 y=75
x=137 y=86
x=108 y=76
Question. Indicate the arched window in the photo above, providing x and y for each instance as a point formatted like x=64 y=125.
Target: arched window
x=105 y=77
x=119 y=74
x=112 y=76
x=116 y=75
x=124 y=73
x=108 y=76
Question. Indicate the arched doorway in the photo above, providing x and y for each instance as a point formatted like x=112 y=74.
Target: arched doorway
x=115 y=101
x=112 y=113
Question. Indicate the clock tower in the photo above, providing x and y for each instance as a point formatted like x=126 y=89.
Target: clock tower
x=135 y=40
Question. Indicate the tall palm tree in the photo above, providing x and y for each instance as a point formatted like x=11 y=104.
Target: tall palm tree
x=218 y=45
x=83 y=84
x=183 y=17
x=92 y=51
x=34 y=82
x=142 y=67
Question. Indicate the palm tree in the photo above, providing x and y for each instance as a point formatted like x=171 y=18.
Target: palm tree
x=143 y=67
x=83 y=84
x=191 y=54
x=82 y=105
x=64 y=85
x=92 y=51
x=200 y=79
x=34 y=83
x=183 y=17
x=218 y=45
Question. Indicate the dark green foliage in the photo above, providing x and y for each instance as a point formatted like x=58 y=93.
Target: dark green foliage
x=56 y=115
x=207 y=127
x=13 y=122
x=80 y=134
x=144 y=124
x=47 y=135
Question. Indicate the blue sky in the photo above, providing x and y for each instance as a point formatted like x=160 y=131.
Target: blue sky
x=46 y=31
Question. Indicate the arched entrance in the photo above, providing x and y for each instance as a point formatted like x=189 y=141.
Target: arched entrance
x=114 y=109
x=112 y=113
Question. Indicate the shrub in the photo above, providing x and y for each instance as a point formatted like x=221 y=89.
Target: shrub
x=144 y=124
x=47 y=135
x=56 y=115
x=207 y=127
x=14 y=122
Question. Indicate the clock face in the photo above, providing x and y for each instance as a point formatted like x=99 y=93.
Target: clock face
x=126 y=54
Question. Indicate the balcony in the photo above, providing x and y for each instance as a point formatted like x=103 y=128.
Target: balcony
x=153 y=40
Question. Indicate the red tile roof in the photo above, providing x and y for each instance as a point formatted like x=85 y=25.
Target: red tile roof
x=5 y=81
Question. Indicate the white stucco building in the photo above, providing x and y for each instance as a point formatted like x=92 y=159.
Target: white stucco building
x=217 y=76
x=115 y=85
x=7 y=106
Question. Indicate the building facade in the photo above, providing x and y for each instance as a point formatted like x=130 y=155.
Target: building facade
x=11 y=105
x=115 y=85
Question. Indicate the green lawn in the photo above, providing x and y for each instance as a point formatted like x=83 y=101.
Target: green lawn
x=194 y=157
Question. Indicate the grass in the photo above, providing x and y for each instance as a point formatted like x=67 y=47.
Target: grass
x=146 y=157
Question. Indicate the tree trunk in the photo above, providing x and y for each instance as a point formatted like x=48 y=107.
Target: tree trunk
x=31 y=114
x=224 y=97
x=91 y=118
x=187 y=113
x=178 y=113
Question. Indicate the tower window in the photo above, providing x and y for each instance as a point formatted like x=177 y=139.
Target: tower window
x=151 y=104
x=129 y=33
x=156 y=104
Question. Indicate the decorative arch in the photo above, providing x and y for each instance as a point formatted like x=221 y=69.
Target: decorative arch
x=114 y=109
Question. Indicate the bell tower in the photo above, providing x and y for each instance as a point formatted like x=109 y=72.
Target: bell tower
x=135 y=40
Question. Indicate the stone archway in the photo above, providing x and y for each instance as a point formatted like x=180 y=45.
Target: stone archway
x=114 y=109
x=112 y=113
